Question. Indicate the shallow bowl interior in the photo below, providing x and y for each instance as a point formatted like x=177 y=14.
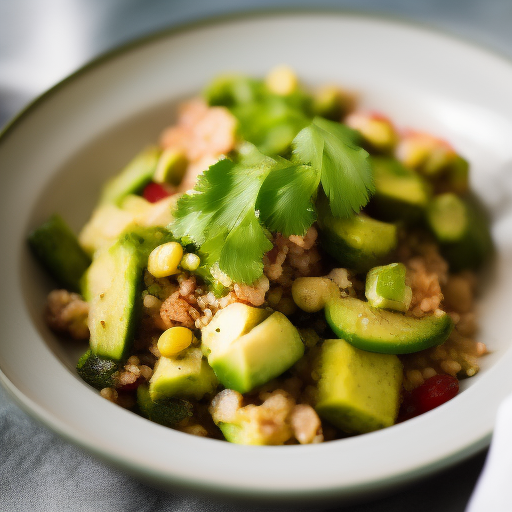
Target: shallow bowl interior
x=56 y=155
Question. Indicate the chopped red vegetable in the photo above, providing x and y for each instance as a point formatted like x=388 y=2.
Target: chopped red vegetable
x=434 y=392
x=154 y=192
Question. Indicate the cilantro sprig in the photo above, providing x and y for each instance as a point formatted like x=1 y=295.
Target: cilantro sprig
x=235 y=205
x=346 y=174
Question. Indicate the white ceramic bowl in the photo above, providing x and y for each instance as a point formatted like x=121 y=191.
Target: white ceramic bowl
x=57 y=153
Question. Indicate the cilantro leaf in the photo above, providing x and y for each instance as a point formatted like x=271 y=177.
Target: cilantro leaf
x=194 y=212
x=346 y=174
x=285 y=198
x=220 y=217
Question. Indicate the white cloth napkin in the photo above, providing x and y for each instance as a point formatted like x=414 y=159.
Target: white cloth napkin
x=493 y=492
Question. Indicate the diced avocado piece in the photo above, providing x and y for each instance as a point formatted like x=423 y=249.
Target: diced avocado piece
x=133 y=178
x=400 y=193
x=146 y=214
x=387 y=332
x=245 y=425
x=57 y=249
x=359 y=242
x=358 y=391
x=165 y=412
x=107 y=222
x=237 y=434
x=171 y=167
x=255 y=356
x=97 y=371
x=113 y=286
x=386 y=288
x=461 y=227
x=185 y=376
x=229 y=324
x=244 y=432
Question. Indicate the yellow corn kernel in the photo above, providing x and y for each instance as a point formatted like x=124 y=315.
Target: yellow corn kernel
x=190 y=261
x=174 y=340
x=282 y=80
x=164 y=259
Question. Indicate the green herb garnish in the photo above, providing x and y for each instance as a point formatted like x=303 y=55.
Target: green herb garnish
x=235 y=205
x=346 y=174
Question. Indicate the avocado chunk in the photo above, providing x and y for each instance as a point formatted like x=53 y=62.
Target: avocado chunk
x=386 y=288
x=57 y=249
x=133 y=178
x=229 y=324
x=460 y=225
x=400 y=193
x=185 y=376
x=106 y=224
x=387 y=332
x=165 y=412
x=249 y=352
x=97 y=371
x=359 y=242
x=358 y=391
x=248 y=425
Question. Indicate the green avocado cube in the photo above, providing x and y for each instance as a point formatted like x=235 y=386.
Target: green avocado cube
x=386 y=288
x=185 y=376
x=258 y=354
x=358 y=391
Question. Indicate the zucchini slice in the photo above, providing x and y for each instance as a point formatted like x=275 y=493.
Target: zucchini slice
x=113 y=286
x=57 y=249
x=387 y=332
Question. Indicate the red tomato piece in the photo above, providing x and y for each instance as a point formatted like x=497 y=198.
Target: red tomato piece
x=154 y=192
x=434 y=392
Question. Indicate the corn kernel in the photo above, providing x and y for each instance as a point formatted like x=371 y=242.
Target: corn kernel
x=174 y=340
x=282 y=80
x=164 y=259
x=190 y=261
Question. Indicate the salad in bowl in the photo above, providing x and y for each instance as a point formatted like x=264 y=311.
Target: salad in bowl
x=281 y=267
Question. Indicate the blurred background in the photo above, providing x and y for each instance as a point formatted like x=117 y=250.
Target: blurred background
x=41 y=42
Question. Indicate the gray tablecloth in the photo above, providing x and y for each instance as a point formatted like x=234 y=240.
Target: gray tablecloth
x=41 y=42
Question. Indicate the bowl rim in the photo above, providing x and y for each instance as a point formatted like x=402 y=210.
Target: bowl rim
x=61 y=428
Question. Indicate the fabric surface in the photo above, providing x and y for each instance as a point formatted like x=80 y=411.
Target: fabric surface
x=40 y=472
x=494 y=492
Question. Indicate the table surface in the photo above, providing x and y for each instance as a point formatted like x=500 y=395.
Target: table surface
x=41 y=43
